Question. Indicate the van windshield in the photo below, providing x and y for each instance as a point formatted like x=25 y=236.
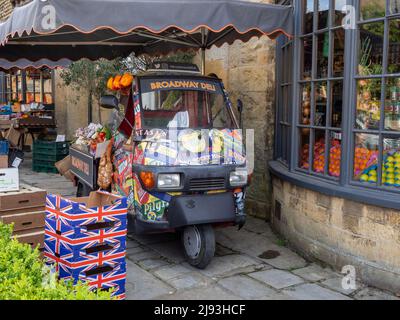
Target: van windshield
x=179 y=108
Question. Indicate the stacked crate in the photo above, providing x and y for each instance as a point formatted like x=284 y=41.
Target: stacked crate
x=88 y=244
x=47 y=153
x=26 y=210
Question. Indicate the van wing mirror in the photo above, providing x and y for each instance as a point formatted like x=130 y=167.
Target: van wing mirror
x=109 y=102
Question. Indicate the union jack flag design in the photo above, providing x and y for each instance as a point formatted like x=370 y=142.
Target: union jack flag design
x=88 y=244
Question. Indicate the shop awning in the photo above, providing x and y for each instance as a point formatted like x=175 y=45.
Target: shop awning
x=73 y=29
x=23 y=64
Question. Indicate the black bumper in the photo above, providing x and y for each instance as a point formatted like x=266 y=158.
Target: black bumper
x=192 y=210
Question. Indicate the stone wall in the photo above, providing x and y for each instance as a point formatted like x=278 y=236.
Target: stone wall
x=340 y=232
x=248 y=71
x=72 y=108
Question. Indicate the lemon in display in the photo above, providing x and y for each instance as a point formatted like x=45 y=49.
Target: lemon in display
x=390 y=181
x=390 y=159
x=390 y=170
x=390 y=176
x=364 y=177
x=372 y=179
x=372 y=173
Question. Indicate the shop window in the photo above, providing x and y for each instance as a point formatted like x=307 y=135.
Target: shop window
x=308 y=21
x=284 y=98
x=371 y=48
x=368 y=104
x=321 y=91
x=371 y=9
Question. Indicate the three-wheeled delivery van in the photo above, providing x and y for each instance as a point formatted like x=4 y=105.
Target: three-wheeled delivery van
x=187 y=162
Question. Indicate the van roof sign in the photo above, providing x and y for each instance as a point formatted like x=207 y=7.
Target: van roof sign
x=174 y=67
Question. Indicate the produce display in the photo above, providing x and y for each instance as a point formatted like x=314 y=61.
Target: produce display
x=120 y=82
x=319 y=157
x=91 y=135
x=17 y=110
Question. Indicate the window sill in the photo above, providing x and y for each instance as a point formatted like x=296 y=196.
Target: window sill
x=379 y=198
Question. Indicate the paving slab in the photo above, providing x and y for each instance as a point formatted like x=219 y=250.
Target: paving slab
x=230 y=265
x=172 y=250
x=315 y=273
x=171 y=272
x=213 y=292
x=189 y=281
x=336 y=284
x=308 y=291
x=136 y=257
x=150 y=264
x=277 y=279
x=247 y=288
x=143 y=285
x=374 y=294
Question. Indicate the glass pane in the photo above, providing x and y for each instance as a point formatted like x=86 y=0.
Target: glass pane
x=323 y=13
x=322 y=55
x=305 y=104
x=336 y=103
x=320 y=104
x=319 y=151
x=48 y=98
x=335 y=153
x=47 y=85
x=307 y=58
x=370 y=9
x=391 y=162
x=392 y=104
x=394 y=46
x=308 y=7
x=38 y=98
x=339 y=15
x=366 y=158
x=371 y=48
x=368 y=103
x=394 y=6
x=338 y=53
x=304 y=158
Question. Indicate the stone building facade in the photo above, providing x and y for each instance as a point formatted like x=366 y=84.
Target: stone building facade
x=340 y=232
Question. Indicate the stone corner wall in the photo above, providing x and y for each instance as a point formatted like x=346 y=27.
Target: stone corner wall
x=248 y=72
x=340 y=232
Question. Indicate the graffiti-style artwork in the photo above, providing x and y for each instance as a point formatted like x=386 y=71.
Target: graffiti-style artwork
x=191 y=147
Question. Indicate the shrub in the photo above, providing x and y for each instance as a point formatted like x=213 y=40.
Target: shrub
x=24 y=276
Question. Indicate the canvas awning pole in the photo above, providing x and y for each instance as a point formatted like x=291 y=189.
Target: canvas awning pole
x=203 y=51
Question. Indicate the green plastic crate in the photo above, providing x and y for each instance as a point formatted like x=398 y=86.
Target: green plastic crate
x=50 y=147
x=44 y=168
x=44 y=156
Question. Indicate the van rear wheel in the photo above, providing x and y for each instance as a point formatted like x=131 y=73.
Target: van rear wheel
x=199 y=245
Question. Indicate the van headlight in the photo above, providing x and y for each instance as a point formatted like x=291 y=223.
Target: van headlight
x=238 y=178
x=168 y=180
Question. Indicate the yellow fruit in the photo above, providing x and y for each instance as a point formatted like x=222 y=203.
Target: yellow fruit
x=390 y=159
x=364 y=177
x=390 y=176
x=372 y=173
x=390 y=181
x=390 y=170
x=372 y=179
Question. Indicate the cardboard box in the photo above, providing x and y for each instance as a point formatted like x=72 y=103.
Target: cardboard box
x=64 y=165
x=4 y=161
x=9 y=180
x=13 y=136
x=25 y=221
x=33 y=237
x=22 y=210
x=26 y=197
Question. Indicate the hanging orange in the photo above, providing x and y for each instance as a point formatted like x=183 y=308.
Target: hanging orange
x=116 y=83
x=126 y=80
x=110 y=83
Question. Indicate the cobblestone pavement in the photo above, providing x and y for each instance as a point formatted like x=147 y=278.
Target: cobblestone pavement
x=249 y=264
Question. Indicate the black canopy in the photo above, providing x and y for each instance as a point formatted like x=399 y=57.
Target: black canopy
x=73 y=29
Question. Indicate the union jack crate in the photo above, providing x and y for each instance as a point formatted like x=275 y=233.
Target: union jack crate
x=98 y=277
x=94 y=251
x=86 y=239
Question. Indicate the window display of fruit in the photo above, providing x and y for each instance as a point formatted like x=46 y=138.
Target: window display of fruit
x=335 y=154
x=304 y=157
x=319 y=156
x=391 y=169
x=363 y=159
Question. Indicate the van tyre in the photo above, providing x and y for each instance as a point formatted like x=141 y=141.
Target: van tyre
x=198 y=245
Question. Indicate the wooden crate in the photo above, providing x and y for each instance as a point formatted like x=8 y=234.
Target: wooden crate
x=25 y=221
x=27 y=197
x=34 y=237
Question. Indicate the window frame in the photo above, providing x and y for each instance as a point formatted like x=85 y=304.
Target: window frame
x=345 y=186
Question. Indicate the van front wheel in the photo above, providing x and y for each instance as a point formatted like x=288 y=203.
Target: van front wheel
x=199 y=245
